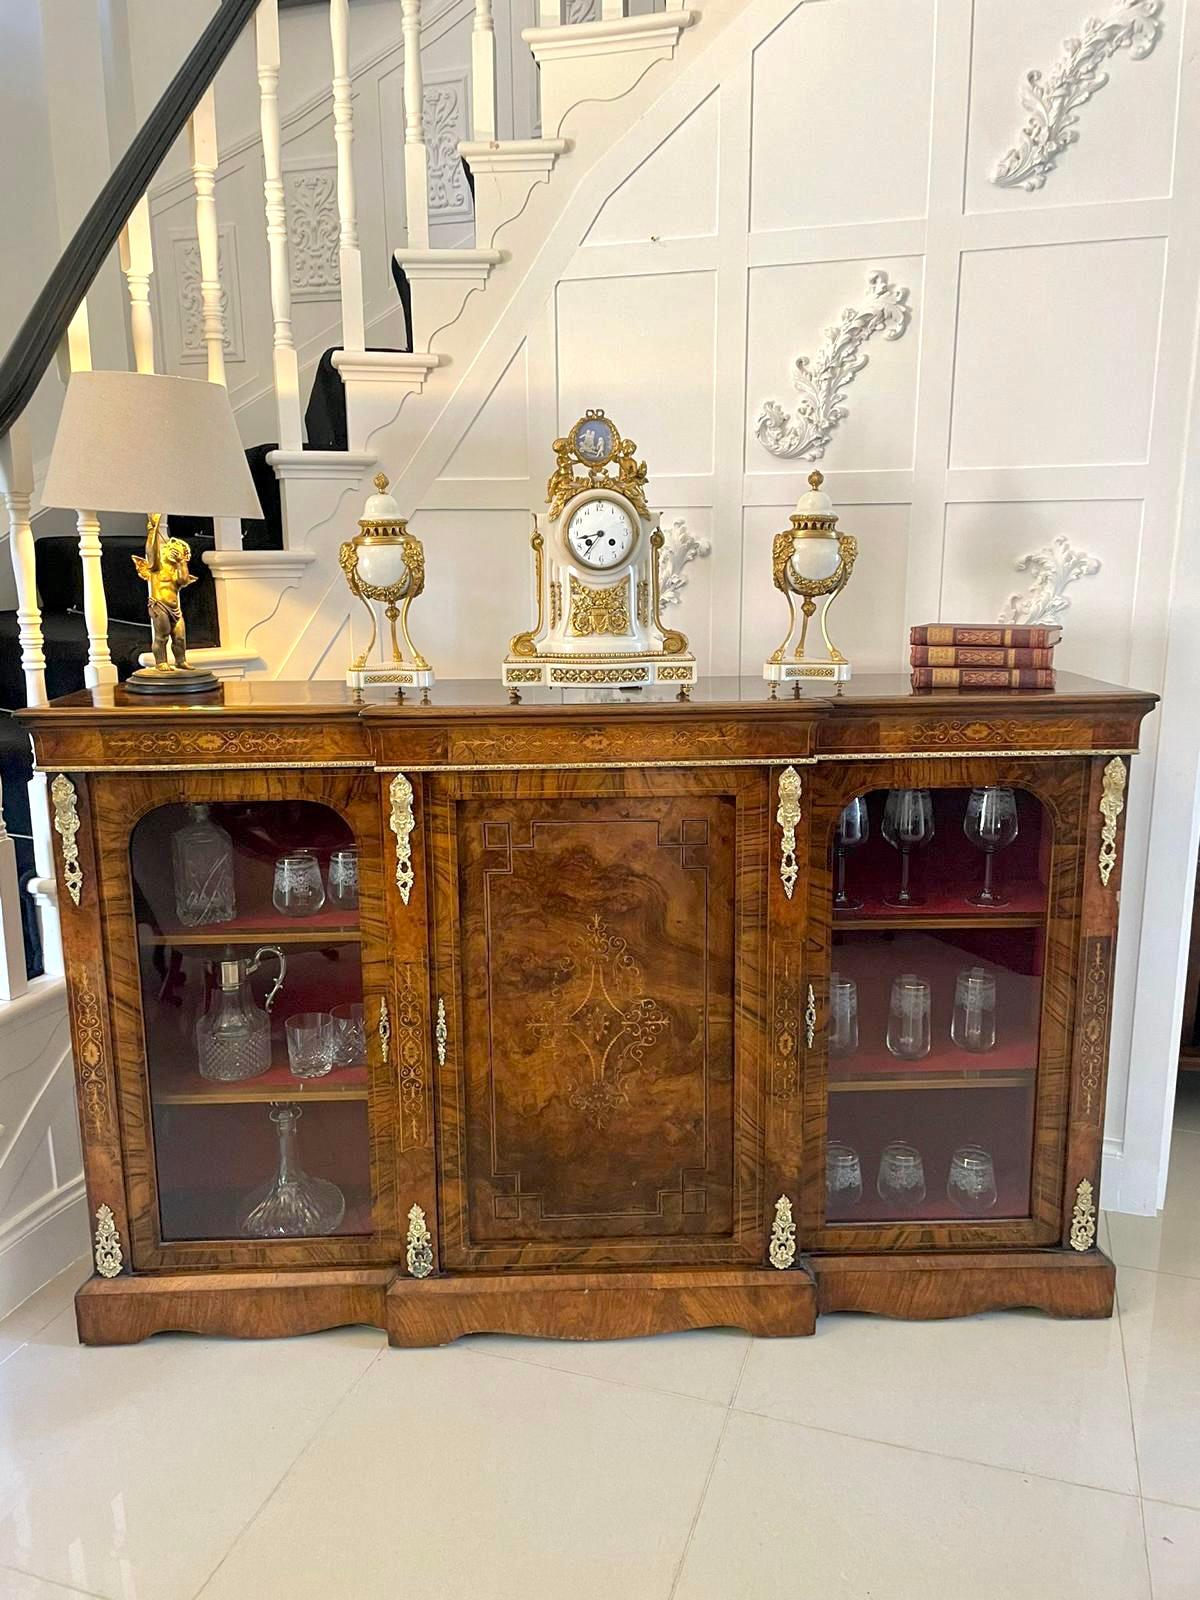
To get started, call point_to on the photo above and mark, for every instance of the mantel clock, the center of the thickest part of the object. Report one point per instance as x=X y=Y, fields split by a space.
x=813 y=560
x=384 y=566
x=596 y=575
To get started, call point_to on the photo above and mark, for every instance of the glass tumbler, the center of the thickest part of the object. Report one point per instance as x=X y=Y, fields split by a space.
x=908 y=1031
x=298 y=890
x=973 y=1026
x=349 y=1036
x=971 y=1185
x=901 y=1180
x=843 y=1176
x=310 y=1043
x=843 y=1015
x=343 y=878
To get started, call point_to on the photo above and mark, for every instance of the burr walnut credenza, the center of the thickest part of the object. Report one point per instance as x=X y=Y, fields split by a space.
x=602 y=1014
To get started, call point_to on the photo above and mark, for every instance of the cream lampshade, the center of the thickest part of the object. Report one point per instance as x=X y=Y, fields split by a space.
x=141 y=442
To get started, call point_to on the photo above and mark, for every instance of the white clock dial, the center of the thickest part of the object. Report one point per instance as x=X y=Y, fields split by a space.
x=601 y=533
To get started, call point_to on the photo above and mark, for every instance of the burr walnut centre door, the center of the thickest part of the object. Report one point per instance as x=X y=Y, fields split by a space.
x=598 y=954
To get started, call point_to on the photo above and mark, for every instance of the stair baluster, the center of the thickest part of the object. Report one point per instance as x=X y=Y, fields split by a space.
x=137 y=263
x=611 y=8
x=549 y=13
x=349 y=257
x=483 y=73
x=100 y=668
x=285 y=365
x=416 y=159
x=16 y=483
x=202 y=145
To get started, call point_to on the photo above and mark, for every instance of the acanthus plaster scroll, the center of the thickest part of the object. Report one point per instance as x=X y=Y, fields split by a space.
x=680 y=548
x=1054 y=567
x=822 y=382
x=1053 y=100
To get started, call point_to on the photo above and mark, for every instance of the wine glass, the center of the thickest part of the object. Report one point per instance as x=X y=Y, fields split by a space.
x=901 y=1181
x=907 y=825
x=853 y=829
x=990 y=824
x=843 y=1176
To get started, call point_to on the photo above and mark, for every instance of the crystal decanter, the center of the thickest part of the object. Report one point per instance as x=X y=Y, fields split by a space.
x=292 y=1205
x=202 y=867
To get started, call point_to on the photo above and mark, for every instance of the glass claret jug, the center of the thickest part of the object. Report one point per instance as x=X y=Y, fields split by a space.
x=233 y=1037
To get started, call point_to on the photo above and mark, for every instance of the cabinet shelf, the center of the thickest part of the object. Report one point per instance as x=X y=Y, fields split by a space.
x=323 y=928
x=940 y=1080
x=176 y=1088
x=1025 y=907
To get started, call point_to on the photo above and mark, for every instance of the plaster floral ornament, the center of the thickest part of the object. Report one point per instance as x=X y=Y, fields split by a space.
x=680 y=548
x=1052 y=101
x=1054 y=567
x=822 y=382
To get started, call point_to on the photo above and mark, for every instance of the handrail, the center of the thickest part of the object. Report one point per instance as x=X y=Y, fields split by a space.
x=40 y=335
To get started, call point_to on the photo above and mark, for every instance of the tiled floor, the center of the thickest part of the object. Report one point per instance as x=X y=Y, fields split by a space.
x=1006 y=1457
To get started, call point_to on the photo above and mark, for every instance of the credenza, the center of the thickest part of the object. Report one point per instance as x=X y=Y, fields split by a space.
x=647 y=1012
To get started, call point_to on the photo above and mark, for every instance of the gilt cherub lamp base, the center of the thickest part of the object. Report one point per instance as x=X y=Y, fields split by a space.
x=798 y=672
x=172 y=681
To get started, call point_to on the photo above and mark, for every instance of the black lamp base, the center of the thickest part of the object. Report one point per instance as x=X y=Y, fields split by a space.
x=172 y=681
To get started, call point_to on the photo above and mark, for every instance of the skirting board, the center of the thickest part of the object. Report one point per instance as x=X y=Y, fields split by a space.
x=41 y=1243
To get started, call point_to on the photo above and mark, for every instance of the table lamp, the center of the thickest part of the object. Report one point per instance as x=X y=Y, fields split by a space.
x=141 y=442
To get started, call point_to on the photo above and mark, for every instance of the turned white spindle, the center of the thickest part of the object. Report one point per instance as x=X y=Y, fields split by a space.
x=611 y=8
x=203 y=152
x=416 y=158
x=549 y=13
x=483 y=73
x=202 y=141
x=349 y=257
x=137 y=263
x=16 y=481
x=99 y=668
x=286 y=368
x=13 y=982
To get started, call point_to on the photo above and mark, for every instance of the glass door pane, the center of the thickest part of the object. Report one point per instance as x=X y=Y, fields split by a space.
x=934 y=1004
x=251 y=976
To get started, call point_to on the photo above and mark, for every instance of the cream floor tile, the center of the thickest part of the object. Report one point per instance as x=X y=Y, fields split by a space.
x=20 y=1586
x=447 y=1475
x=130 y=1471
x=1169 y=1242
x=1160 y=1319
x=1173 y=1544
x=791 y=1512
x=41 y=1308
x=704 y=1364
x=1011 y=1389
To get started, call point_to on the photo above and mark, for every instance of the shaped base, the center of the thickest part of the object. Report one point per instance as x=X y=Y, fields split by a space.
x=607 y=672
x=806 y=671
x=395 y=677
x=172 y=680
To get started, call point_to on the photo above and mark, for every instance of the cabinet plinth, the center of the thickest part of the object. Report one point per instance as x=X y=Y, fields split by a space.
x=582 y=1019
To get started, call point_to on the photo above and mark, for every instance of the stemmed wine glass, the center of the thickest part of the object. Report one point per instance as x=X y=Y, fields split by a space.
x=907 y=825
x=853 y=829
x=990 y=824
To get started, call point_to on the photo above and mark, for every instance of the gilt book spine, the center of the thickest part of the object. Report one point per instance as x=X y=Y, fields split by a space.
x=974 y=655
x=982 y=678
x=1041 y=637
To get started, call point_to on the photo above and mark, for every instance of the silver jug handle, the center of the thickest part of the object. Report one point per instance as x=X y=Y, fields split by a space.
x=270 y=950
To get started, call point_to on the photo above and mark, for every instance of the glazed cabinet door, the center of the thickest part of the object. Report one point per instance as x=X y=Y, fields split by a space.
x=943 y=922
x=598 y=949
x=244 y=937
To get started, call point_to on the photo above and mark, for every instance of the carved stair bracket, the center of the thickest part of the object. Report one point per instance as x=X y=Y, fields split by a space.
x=1053 y=99
x=1112 y=803
x=107 y=1248
x=401 y=823
x=822 y=382
x=783 y=1235
x=66 y=826
x=788 y=816
x=1083 y=1217
x=418 y=1255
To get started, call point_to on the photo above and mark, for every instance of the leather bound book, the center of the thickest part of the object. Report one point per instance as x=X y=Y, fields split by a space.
x=977 y=655
x=982 y=678
x=1040 y=637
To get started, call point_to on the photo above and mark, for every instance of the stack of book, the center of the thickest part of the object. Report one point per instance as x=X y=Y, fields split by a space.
x=970 y=655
